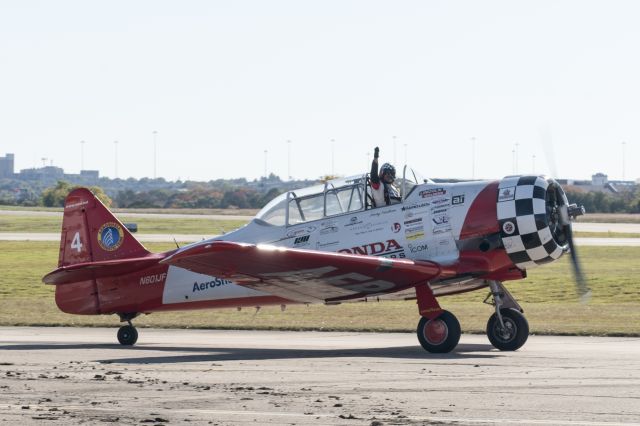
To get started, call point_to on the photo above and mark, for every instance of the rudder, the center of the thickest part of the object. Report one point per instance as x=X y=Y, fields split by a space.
x=91 y=233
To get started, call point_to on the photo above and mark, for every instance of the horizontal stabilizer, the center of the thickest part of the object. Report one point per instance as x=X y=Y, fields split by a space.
x=106 y=268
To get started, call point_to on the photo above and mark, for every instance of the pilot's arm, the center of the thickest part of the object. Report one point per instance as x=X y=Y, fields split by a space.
x=375 y=179
x=377 y=188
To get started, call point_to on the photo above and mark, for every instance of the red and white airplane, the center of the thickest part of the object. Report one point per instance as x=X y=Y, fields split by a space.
x=329 y=244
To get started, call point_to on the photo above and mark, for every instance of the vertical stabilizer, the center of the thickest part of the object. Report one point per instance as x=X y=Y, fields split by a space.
x=90 y=232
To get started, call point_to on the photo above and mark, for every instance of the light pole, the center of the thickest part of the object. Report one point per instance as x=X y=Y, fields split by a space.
x=533 y=164
x=82 y=155
x=155 y=154
x=333 y=151
x=405 y=154
x=394 y=150
x=289 y=159
x=265 y=164
x=624 y=146
x=473 y=157
x=115 y=149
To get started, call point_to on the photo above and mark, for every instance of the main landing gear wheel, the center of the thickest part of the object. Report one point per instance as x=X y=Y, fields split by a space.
x=127 y=335
x=439 y=335
x=513 y=335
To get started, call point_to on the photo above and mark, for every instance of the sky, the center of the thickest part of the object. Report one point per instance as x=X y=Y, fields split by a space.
x=545 y=86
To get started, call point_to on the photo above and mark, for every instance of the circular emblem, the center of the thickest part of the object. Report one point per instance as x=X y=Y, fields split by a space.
x=110 y=236
x=508 y=228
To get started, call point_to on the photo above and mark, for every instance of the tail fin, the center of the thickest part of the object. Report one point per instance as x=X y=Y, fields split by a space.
x=91 y=233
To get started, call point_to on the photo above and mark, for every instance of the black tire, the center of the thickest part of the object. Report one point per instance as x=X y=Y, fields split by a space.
x=439 y=335
x=516 y=330
x=127 y=335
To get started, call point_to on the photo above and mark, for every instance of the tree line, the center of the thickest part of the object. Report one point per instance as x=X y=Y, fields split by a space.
x=196 y=198
x=206 y=196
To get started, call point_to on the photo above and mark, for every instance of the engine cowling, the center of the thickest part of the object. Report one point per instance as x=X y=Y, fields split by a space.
x=529 y=213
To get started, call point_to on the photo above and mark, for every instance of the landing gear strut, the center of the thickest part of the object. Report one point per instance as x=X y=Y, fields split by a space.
x=507 y=328
x=438 y=330
x=127 y=334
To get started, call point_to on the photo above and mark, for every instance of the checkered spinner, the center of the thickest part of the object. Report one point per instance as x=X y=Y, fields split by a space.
x=524 y=224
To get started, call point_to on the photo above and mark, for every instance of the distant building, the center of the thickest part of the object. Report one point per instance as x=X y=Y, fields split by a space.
x=90 y=174
x=52 y=172
x=6 y=166
x=599 y=179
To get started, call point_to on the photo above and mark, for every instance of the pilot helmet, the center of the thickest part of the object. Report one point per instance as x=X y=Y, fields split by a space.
x=388 y=169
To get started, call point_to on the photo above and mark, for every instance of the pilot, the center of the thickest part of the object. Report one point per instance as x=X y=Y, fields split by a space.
x=383 y=190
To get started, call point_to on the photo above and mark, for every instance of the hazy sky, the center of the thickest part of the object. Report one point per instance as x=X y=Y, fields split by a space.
x=223 y=81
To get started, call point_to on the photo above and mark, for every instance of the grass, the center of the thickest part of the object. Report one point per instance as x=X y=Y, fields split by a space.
x=196 y=226
x=610 y=218
x=579 y=234
x=547 y=295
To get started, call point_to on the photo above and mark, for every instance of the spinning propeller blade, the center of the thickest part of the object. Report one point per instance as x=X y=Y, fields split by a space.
x=581 y=282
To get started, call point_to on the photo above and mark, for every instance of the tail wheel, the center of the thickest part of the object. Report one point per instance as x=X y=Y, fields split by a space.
x=439 y=335
x=127 y=335
x=513 y=335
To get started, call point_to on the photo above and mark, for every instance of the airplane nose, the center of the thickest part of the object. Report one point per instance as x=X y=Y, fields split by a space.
x=529 y=214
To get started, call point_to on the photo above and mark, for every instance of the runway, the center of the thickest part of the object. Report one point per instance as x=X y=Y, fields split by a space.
x=77 y=375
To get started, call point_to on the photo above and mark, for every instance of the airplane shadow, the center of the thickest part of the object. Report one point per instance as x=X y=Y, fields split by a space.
x=211 y=354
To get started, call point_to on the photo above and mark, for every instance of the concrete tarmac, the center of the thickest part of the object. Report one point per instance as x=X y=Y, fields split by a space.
x=79 y=375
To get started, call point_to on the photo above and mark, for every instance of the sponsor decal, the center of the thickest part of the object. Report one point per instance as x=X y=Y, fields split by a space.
x=353 y=221
x=457 y=199
x=396 y=227
x=442 y=219
x=417 y=248
x=415 y=206
x=412 y=221
x=301 y=241
x=508 y=227
x=329 y=230
x=417 y=235
x=434 y=192
x=78 y=204
x=374 y=249
x=439 y=210
x=324 y=246
x=507 y=194
x=328 y=227
x=300 y=231
x=439 y=202
x=216 y=282
x=110 y=236
x=441 y=223
x=153 y=279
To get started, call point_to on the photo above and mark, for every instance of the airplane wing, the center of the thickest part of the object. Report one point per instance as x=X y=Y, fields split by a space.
x=304 y=276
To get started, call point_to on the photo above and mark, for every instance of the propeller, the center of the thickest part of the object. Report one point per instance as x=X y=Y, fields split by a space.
x=565 y=212
x=582 y=287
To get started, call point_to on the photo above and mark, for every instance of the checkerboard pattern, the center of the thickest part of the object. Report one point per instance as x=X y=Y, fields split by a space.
x=524 y=225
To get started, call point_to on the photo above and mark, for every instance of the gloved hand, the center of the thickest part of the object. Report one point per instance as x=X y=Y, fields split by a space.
x=376 y=152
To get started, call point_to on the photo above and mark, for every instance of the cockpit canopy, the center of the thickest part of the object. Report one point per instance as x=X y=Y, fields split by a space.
x=335 y=197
